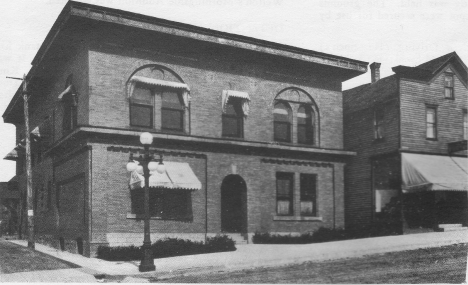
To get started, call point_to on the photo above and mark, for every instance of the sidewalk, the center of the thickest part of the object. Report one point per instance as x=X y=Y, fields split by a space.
x=49 y=276
x=255 y=255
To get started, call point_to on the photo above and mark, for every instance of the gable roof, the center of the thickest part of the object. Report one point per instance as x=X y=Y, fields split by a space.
x=426 y=71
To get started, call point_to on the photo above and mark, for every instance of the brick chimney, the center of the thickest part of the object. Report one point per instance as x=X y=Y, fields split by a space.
x=375 y=71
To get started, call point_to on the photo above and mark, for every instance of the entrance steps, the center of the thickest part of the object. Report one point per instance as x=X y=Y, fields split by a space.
x=237 y=238
x=450 y=228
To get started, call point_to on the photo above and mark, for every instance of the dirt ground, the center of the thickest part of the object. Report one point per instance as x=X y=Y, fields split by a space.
x=433 y=265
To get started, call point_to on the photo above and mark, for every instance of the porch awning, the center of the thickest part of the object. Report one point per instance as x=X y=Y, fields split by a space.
x=178 y=175
x=422 y=172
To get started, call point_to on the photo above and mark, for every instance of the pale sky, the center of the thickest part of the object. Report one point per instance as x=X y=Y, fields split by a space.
x=393 y=32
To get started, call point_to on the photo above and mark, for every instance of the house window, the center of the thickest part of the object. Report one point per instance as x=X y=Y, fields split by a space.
x=233 y=119
x=141 y=107
x=308 y=194
x=378 y=123
x=282 y=122
x=305 y=125
x=448 y=86
x=172 y=111
x=431 y=122
x=165 y=204
x=284 y=193
x=69 y=113
x=465 y=125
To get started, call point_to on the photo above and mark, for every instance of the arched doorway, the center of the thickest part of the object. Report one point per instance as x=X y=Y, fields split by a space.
x=233 y=204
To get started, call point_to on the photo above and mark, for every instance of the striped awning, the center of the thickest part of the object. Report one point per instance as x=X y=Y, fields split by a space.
x=422 y=172
x=238 y=94
x=158 y=82
x=178 y=175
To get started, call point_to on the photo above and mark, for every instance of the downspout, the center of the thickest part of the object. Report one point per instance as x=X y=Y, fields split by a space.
x=90 y=198
x=206 y=198
x=334 y=200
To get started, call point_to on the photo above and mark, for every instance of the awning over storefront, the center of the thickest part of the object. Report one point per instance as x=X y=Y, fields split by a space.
x=422 y=172
x=178 y=175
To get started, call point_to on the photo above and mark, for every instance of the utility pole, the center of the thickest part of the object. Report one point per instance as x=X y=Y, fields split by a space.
x=29 y=190
x=30 y=200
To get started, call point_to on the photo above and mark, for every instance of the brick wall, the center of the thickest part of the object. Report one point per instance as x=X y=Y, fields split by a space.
x=207 y=77
x=415 y=96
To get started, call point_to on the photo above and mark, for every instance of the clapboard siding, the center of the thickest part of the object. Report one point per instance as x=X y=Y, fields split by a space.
x=359 y=137
x=414 y=98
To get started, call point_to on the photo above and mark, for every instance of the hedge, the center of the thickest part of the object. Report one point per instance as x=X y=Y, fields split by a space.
x=326 y=235
x=168 y=247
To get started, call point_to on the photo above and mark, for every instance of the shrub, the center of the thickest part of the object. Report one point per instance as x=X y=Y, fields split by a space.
x=220 y=243
x=325 y=234
x=168 y=247
x=119 y=253
x=267 y=238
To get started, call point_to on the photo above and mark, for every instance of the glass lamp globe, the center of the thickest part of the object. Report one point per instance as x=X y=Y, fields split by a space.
x=139 y=169
x=146 y=138
x=131 y=166
x=161 y=168
x=152 y=166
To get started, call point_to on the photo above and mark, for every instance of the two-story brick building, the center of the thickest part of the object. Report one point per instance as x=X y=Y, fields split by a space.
x=251 y=131
x=405 y=128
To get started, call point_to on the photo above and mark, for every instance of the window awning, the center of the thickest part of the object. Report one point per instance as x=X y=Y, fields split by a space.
x=158 y=82
x=238 y=94
x=422 y=172
x=178 y=175
x=12 y=155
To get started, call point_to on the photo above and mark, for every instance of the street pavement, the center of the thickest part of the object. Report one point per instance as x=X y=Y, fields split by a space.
x=255 y=255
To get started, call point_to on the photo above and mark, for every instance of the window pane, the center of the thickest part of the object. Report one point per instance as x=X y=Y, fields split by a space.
x=449 y=80
x=304 y=116
x=430 y=133
x=448 y=92
x=305 y=134
x=231 y=126
x=142 y=95
x=171 y=100
x=281 y=113
x=141 y=115
x=307 y=208
x=172 y=119
x=430 y=115
x=282 y=131
x=283 y=207
x=284 y=195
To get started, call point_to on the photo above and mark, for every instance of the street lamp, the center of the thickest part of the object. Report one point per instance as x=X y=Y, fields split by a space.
x=146 y=164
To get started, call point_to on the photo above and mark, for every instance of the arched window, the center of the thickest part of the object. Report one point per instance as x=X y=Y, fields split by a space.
x=305 y=125
x=233 y=119
x=158 y=99
x=282 y=122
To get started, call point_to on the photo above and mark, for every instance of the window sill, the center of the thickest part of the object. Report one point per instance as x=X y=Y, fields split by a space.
x=431 y=139
x=297 y=218
x=379 y=140
x=140 y=217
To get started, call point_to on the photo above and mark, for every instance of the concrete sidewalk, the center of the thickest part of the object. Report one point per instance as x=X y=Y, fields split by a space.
x=49 y=276
x=255 y=255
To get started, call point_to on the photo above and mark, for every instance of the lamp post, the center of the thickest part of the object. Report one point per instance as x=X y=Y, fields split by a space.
x=146 y=165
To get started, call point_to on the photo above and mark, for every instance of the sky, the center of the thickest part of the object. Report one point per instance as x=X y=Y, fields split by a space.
x=392 y=32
